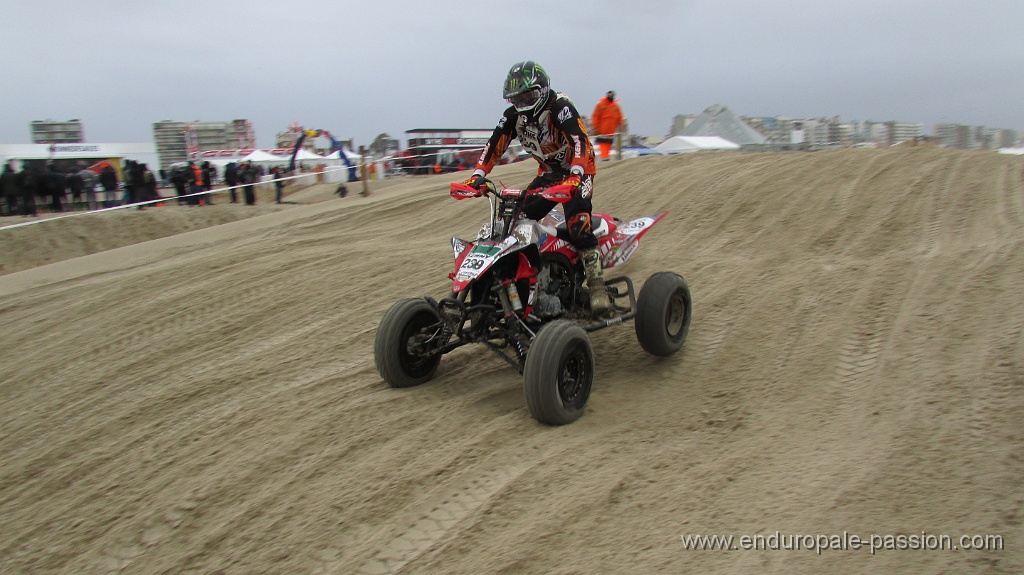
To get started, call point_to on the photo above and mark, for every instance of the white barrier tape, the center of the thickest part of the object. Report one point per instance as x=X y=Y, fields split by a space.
x=394 y=160
x=174 y=197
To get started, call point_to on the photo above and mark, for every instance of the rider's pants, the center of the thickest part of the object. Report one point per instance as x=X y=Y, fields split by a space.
x=577 y=210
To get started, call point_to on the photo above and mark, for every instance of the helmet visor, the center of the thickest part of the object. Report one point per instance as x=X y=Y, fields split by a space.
x=525 y=101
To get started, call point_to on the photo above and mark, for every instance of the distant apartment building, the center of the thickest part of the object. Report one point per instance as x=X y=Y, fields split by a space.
x=680 y=122
x=775 y=128
x=181 y=141
x=287 y=139
x=825 y=132
x=993 y=139
x=868 y=131
x=957 y=136
x=1005 y=138
x=54 y=132
x=877 y=132
x=964 y=137
x=384 y=145
x=903 y=131
x=236 y=134
x=169 y=137
x=783 y=133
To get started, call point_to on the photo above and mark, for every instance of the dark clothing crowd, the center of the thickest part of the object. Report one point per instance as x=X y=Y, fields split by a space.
x=38 y=186
x=24 y=192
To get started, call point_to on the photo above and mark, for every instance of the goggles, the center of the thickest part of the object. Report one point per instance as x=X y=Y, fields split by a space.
x=525 y=101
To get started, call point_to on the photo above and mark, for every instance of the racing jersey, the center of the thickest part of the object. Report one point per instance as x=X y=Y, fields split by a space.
x=557 y=138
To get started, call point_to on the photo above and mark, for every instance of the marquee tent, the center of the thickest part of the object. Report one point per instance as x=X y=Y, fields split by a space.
x=683 y=144
x=304 y=154
x=261 y=156
x=352 y=156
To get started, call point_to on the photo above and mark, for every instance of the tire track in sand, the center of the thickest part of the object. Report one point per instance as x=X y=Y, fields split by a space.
x=453 y=506
x=1010 y=212
x=934 y=222
x=860 y=352
x=1001 y=383
x=115 y=559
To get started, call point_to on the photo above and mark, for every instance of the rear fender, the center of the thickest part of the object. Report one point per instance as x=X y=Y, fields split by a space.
x=620 y=245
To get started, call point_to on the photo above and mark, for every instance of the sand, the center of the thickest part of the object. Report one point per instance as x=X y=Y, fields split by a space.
x=207 y=402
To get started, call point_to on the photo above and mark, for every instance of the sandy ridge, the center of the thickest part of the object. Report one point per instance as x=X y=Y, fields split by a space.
x=207 y=402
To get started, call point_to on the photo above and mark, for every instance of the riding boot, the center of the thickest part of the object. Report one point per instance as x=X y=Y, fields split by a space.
x=599 y=302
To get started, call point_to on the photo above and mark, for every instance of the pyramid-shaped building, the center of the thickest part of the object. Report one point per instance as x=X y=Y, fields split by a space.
x=720 y=121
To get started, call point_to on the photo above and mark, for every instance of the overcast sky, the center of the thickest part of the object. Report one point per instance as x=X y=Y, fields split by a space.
x=362 y=68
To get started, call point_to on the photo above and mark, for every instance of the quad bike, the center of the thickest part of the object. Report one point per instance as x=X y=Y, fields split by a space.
x=518 y=289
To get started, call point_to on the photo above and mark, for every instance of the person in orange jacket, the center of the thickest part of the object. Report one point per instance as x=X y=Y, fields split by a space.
x=605 y=120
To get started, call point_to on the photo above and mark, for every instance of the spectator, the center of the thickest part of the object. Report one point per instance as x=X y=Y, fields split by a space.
x=248 y=178
x=10 y=189
x=209 y=172
x=606 y=120
x=76 y=185
x=178 y=180
x=108 y=180
x=278 y=182
x=31 y=183
x=57 y=188
x=89 y=187
x=140 y=184
x=128 y=179
x=149 y=185
x=195 y=183
x=231 y=179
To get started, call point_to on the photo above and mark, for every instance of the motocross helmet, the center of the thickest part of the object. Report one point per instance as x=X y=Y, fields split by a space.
x=527 y=86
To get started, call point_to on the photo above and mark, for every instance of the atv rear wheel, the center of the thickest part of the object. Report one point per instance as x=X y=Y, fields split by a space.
x=559 y=373
x=397 y=365
x=663 y=311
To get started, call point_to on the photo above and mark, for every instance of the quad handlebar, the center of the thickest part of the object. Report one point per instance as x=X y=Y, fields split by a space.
x=560 y=193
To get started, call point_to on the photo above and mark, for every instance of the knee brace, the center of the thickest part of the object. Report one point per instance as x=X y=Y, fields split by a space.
x=580 y=232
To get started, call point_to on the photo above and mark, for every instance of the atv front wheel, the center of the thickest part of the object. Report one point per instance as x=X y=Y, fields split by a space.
x=663 y=311
x=559 y=373
x=396 y=362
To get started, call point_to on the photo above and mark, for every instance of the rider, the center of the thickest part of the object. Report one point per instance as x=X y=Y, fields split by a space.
x=548 y=126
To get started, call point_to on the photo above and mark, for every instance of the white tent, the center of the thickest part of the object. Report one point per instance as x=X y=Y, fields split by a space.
x=352 y=156
x=304 y=154
x=683 y=144
x=261 y=156
x=336 y=169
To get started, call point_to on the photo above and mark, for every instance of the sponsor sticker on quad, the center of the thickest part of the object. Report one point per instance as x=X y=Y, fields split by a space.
x=624 y=253
x=485 y=250
x=636 y=226
x=472 y=265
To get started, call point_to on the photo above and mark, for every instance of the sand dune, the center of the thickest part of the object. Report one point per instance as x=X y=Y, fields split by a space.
x=207 y=402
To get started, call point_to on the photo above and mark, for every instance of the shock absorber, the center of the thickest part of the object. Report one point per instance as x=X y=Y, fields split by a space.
x=508 y=295
x=513 y=296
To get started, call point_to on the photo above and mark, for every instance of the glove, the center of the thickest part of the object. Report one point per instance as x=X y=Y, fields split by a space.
x=575 y=178
x=476 y=181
